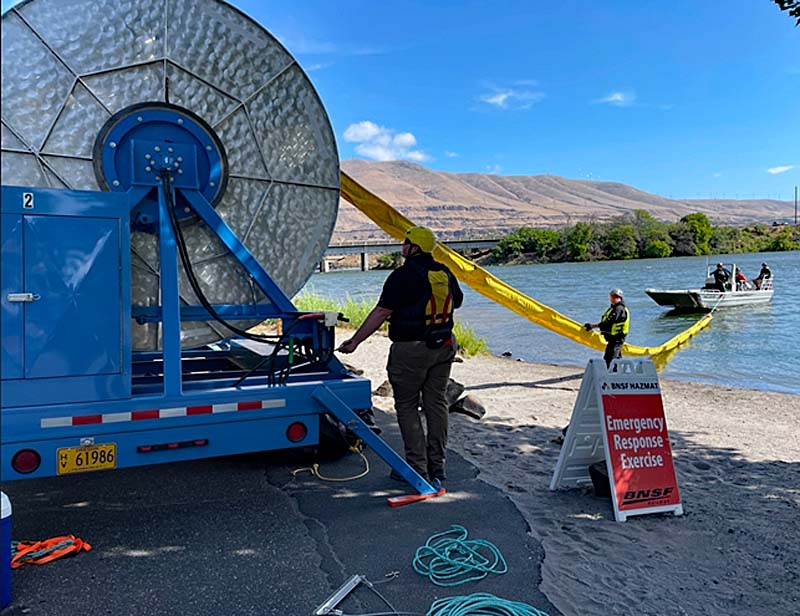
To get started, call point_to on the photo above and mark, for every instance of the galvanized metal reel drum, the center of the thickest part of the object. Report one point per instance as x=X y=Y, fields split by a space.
x=79 y=74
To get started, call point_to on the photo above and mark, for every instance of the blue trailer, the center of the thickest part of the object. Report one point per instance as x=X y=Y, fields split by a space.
x=77 y=397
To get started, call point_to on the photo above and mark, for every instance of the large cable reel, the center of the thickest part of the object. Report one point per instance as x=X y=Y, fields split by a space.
x=80 y=77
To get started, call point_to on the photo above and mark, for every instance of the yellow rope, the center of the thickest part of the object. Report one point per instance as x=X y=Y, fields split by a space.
x=314 y=468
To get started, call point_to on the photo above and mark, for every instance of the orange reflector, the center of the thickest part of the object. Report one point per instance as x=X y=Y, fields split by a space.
x=407 y=499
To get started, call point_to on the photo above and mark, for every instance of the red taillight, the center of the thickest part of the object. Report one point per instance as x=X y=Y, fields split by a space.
x=26 y=461
x=296 y=432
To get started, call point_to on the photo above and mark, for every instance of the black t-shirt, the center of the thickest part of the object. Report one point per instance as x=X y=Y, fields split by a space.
x=405 y=286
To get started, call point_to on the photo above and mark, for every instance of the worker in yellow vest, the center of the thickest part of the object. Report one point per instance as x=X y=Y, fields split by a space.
x=613 y=326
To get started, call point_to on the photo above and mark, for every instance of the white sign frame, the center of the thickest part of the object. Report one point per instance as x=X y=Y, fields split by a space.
x=584 y=442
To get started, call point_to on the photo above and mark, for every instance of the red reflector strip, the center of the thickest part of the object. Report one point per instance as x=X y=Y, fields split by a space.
x=144 y=415
x=163 y=446
x=82 y=420
x=170 y=413
x=199 y=410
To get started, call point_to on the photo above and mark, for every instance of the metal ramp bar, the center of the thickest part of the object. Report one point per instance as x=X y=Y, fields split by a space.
x=325 y=396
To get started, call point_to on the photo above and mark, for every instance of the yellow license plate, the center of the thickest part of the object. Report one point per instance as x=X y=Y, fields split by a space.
x=87 y=458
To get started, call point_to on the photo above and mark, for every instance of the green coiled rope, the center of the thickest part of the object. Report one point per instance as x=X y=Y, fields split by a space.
x=449 y=559
x=481 y=604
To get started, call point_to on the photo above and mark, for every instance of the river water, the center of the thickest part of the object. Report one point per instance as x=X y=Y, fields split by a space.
x=757 y=348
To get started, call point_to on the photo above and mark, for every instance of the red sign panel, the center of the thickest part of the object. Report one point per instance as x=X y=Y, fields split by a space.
x=637 y=444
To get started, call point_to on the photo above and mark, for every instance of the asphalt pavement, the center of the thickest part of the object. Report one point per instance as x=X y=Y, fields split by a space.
x=242 y=535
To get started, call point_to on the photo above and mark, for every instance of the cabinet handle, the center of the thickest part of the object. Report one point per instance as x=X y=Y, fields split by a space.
x=23 y=297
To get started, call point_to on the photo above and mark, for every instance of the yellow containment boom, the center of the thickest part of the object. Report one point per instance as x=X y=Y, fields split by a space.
x=396 y=225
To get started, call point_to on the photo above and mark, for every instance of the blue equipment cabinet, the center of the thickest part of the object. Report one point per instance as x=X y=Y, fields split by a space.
x=65 y=296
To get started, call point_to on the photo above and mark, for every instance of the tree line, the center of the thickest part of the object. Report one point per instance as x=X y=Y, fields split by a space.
x=639 y=235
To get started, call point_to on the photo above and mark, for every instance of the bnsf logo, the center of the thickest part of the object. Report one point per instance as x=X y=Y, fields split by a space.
x=639 y=496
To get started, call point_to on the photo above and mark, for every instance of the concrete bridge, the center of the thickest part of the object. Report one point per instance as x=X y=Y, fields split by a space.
x=389 y=247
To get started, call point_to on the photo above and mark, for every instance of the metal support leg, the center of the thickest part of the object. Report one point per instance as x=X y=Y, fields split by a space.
x=345 y=414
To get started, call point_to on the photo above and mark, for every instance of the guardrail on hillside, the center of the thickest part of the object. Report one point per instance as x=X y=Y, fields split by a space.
x=367 y=248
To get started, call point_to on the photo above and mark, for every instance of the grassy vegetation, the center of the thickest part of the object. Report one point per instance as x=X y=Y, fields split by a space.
x=357 y=311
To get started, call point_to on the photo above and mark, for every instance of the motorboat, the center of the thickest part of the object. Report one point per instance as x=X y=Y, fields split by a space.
x=739 y=292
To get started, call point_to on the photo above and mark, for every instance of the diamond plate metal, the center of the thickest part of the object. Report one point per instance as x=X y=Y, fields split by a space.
x=241 y=202
x=121 y=88
x=188 y=91
x=35 y=83
x=294 y=132
x=92 y=35
x=21 y=170
x=244 y=156
x=90 y=58
x=9 y=141
x=302 y=216
x=77 y=174
x=77 y=126
x=222 y=46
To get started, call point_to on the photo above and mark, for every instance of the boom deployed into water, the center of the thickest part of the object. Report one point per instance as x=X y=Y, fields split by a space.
x=485 y=283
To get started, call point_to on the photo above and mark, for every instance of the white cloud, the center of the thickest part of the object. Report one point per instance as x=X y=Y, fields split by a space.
x=513 y=98
x=405 y=140
x=717 y=175
x=384 y=144
x=618 y=99
x=781 y=169
x=318 y=66
x=448 y=154
x=300 y=43
x=494 y=168
x=363 y=131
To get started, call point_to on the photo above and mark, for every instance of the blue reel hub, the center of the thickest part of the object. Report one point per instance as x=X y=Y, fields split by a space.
x=141 y=142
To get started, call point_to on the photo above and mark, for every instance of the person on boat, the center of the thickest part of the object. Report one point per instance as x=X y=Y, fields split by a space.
x=418 y=299
x=741 y=280
x=763 y=275
x=614 y=325
x=721 y=278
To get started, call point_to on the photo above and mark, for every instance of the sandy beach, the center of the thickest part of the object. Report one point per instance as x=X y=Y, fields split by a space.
x=737 y=458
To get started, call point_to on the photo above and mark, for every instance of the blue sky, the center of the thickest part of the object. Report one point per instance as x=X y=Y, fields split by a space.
x=687 y=98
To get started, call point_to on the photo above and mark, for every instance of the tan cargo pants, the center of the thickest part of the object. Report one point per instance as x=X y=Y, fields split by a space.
x=419 y=378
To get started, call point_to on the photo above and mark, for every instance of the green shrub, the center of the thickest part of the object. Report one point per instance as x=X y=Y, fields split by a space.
x=656 y=249
x=389 y=261
x=353 y=309
x=468 y=343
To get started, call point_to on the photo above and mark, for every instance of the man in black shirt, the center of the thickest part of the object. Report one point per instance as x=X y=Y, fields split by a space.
x=418 y=299
x=614 y=326
x=721 y=277
x=764 y=274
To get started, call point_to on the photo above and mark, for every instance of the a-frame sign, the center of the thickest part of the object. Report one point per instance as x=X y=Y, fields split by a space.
x=619 y=417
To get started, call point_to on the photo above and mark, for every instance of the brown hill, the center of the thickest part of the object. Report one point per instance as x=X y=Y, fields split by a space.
x=475 y=204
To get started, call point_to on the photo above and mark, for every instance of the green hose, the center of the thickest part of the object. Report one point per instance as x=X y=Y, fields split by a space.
x=449 y=559
x=481 y=604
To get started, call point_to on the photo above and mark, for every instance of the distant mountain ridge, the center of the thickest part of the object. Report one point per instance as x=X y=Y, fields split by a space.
x=476 y=204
